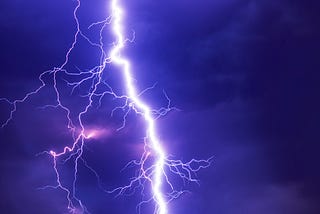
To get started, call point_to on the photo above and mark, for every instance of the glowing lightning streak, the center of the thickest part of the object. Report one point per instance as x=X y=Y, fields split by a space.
x=154 y=173
x=138 y=105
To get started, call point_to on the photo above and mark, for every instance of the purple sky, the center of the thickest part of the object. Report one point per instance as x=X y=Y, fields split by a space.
x=245 y=75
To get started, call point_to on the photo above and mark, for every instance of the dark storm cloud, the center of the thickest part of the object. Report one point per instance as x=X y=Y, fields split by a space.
x=250 y=173
x=217 y=53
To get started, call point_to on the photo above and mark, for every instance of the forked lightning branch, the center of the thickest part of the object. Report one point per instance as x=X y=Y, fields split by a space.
x=154 y=169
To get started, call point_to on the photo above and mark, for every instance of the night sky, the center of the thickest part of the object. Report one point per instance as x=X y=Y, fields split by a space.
x=244 y=74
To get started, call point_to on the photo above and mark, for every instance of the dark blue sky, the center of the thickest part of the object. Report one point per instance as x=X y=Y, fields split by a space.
x=244 y=73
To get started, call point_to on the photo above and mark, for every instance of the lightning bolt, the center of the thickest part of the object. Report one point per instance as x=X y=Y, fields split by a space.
x=140 y=107
x=155 y=168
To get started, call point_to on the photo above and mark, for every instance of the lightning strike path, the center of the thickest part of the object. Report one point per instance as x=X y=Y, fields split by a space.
x=154 y=169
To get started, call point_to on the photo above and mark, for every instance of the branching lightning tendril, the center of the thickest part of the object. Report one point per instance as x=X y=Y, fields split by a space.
x=155 y=167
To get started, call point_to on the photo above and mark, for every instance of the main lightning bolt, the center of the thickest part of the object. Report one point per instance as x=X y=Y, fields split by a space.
x=154 y=169
x=141 y=107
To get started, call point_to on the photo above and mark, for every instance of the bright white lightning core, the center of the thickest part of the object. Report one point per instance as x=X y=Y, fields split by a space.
x=154 y=169
x=139 y=106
